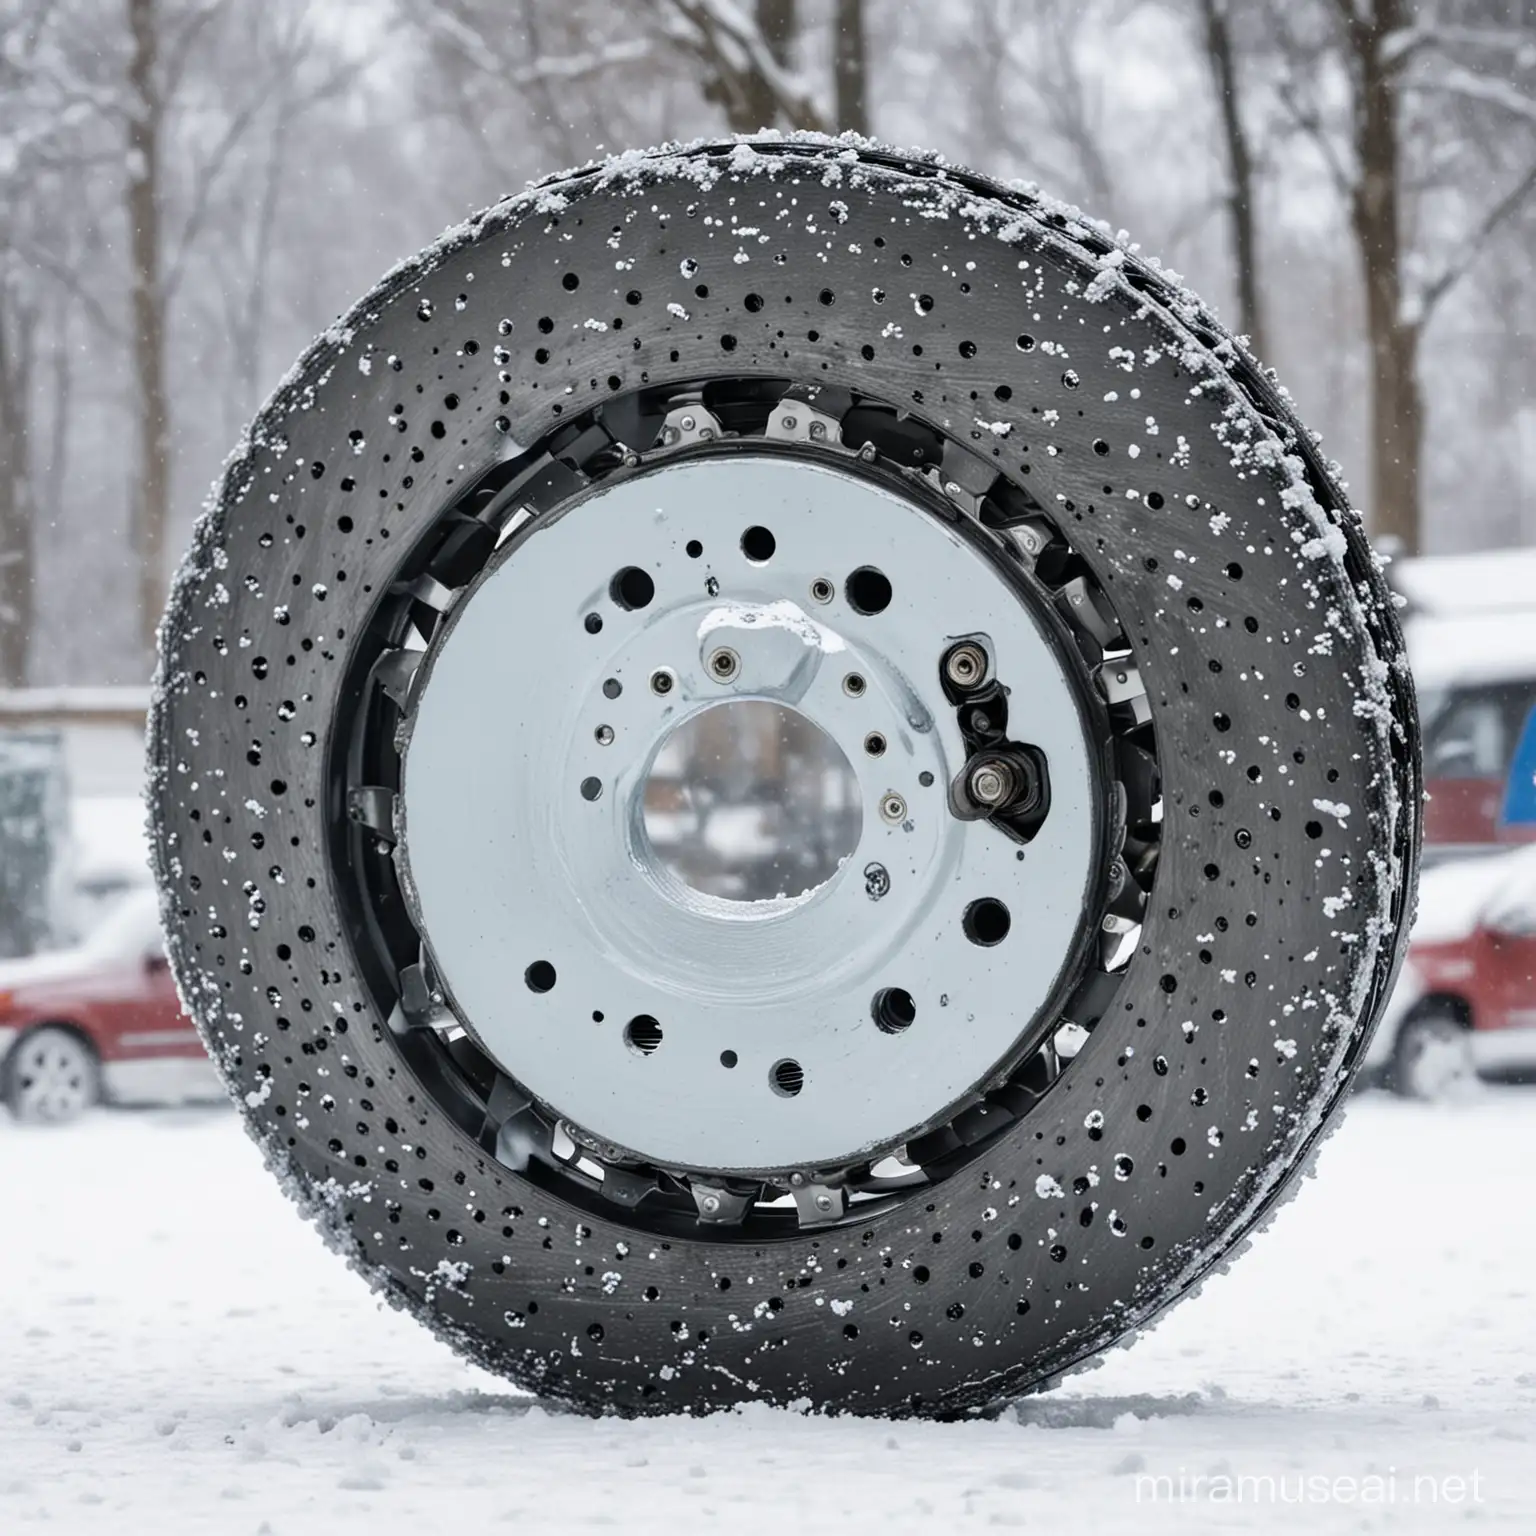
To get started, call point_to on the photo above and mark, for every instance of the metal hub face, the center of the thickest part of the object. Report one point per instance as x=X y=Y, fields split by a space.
x=627 y=939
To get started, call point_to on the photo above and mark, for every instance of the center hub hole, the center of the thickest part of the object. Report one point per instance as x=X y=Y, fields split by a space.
x=752 y=801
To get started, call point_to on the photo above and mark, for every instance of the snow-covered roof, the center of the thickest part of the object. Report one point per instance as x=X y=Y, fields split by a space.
x=1482 y=648
x=1454 y=897
x=109 y=844
x=1492 y=581
x=108 y=704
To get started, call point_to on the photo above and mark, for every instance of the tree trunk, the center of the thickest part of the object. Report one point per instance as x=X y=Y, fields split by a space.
x=152 y=489
x=850 y=67
x=16 y=499
x=1221 y=58
x=1397 y=411
x=755 y=106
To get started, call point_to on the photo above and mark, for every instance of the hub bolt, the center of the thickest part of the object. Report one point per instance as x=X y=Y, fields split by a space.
x=724 y=664
x=966 y=666
x=893 y=807
x=990 y=783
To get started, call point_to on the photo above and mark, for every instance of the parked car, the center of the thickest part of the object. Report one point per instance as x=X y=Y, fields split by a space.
x=1465 y=1004
x=1471 y=626
x=100 y=1021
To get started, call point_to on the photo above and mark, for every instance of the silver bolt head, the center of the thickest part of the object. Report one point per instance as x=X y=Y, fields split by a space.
x=893 y=808
x=966 y=665
x=989 y=784
x=711 y=1203
x=687 y=423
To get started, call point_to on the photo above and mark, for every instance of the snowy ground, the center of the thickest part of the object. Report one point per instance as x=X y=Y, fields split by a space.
x=178 y=1353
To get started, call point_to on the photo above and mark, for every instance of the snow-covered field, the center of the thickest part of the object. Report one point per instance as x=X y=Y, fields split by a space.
x=180 y=1354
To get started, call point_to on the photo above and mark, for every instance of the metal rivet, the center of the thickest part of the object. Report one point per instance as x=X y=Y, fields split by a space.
x=893 y=807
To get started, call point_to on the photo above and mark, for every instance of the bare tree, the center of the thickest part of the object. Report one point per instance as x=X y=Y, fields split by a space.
x=1221 y=56
x=850 y=67
x=745 y=60
x=1030 y=97
x=144 y=116
x=1417 y=81
x=47 y=104
x=18 y=326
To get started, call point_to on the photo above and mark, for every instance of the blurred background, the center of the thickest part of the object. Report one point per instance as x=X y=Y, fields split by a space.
x=191 y=189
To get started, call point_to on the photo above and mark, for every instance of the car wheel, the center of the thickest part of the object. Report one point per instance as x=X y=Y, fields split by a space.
x=1433 y=1057
x=780 y=774
x=50 y=1076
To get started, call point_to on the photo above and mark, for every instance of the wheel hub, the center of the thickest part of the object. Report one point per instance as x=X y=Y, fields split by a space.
x=677 y=821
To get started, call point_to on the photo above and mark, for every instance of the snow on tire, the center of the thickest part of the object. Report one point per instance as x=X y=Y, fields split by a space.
x=781 y=774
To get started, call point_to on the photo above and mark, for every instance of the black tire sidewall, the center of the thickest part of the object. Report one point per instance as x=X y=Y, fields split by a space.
x=981 y=1285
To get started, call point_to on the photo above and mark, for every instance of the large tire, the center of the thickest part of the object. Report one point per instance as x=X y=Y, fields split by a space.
x=1115 y=468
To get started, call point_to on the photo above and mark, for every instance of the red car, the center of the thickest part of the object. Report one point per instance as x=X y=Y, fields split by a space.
x=1476 y=680
x=99 y=1021
x=1465 y=1003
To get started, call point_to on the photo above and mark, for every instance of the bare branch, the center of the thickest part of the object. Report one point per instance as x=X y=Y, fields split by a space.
x=1457 y=266
x=733 y=47
x=1487 y=89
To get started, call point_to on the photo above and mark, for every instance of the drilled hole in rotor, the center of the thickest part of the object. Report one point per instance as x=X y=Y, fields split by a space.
x=874 y=744
x=540 y=976
x=893 y=1010
x=728 y=1058
x=822 y=590
x=758 y=544
x=593 y=623
x=693 y=549
x=786 y=1078
x=591 y=788
x=632 y=588
x=642 y=1034
x=868 y=591
x=986 y=922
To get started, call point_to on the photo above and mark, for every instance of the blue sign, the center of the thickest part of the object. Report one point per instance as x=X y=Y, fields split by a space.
x=1520 y=788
